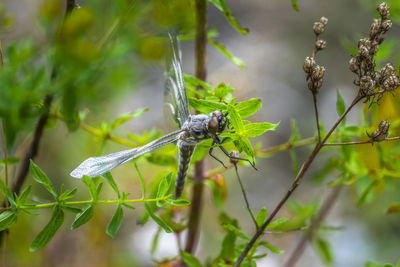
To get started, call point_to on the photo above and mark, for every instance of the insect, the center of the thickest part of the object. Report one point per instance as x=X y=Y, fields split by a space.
x=192 y=129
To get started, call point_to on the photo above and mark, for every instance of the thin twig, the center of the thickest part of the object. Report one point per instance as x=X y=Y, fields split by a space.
x=295 y=184
x=316 y=116
x=245 y=198
x=323 y=212
x=370 y=141
x=199 y=176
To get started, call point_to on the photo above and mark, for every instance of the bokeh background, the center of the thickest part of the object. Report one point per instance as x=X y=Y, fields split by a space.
x=273 y=53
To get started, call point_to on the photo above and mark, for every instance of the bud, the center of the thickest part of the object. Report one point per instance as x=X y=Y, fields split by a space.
x=318 y=73
x=308 y=65
x=320 y=44
x=386 y=25
x=390 y=83
x=364 y=42
x=383 y=10
x=375 y=27
x=323 y=20
x=364 y=51
x=353 y=66
x=318 y=28
x=387 y=70
x=367 y=85
x=233 y=157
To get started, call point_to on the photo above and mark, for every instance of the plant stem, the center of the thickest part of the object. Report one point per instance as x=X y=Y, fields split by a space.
x=323 y=212
x=370 y=141
x=245 y=198
x=296 y=183
x=199 y=176
x=85 y=202
x=316 y=116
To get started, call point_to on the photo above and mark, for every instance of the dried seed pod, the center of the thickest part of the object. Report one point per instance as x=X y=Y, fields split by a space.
x=233 y=157
x=387 y=70
x=318 y=28
x=353 y=65
x=375 y=28
x=311 y=86
x=381 y=133
x=390 y=83
x=383 y=10
x=320 y=44
x=318 y=84
x=323 y=20
x=308 y=64
x=363 y=51
x=364 y=42
x=318 y=73
x=367 y=85
x=386 y=25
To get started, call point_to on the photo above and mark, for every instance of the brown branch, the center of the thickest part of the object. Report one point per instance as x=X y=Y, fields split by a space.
x=199 y=176
x=316 y=116
x=295 y=184
x=370 y=141
x=323 y=212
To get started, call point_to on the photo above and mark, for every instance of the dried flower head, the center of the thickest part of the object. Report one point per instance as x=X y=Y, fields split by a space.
x=318 y=73
x=318 y=28
x=320 y=44
x=381 y=133
x=383 y=10
x=323 y=20
x=390 y=83
x=353 y=65
x=234 y=155
x=375 y=28
x=308 y=65
x=387 y=70
x=367 y=85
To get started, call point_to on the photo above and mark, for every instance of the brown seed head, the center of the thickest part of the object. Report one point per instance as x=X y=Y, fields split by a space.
x=320 y=44
x=323 y=20
x=386 y=25
x=318 y=73
x=383 y=10
x=391 y=83
x=375 y=28
x=387 y=70
x=353 y=66
x=308 y=65
x=233 y=157
x=367 y=85
x=318 y=28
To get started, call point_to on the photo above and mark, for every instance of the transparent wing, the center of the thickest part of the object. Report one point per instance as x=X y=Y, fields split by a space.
x=96 y=166
x=176 y=103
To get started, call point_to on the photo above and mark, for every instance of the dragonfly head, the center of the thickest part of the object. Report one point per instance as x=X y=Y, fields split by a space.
x=217 y=122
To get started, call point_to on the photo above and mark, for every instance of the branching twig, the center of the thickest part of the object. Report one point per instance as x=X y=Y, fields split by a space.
x=370 y=141
x=199 y=176
x=296 y=182
x=323 y=212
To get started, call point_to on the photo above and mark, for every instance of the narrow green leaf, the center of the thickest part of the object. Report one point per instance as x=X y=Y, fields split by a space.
x=277 y=223
x=237 y=232
x=243 y=144
x=190 y=260
x=91 y=186
x=257 y=129
x=10 y=160
x=178 y=202
x=7 y=219
x=261 y=216
x=228 y=246
x=128 y=116
x=295 y=6
x=24 y=195
x=223 y=7
x=49 y=230
x=393 y=208
x=83 y=217
x=164 y=186
x=156 y=238
x=128 y=206
x=295 y=136
x=340 y=106
x=295 y=162
x=248 y=107
x=72 y=209
x=324 y=250
x=115 y=223
x=236 y=120
x=6 y=191
x=270 y=247
x=158 y=220
x=42 y=178
x=206 y=106
x=227 y=53
x=112 y=183
x=141 y=181
x=67 y=194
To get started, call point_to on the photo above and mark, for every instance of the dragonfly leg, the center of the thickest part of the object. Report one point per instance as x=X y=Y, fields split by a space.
x=229 y=156
x=210 y=153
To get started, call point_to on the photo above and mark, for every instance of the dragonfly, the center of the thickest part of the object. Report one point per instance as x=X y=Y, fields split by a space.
x=191 y=129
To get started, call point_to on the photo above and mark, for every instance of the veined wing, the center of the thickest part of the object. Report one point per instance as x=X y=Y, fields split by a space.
x=175 y=94
x=96 y=166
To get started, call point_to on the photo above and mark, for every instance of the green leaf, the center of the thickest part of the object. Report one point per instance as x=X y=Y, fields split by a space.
x=324 y=250
x=257 y=129
x=91 y=186
x=128 y=206
x=261 y=216
x=193 y=81
x=128 y=116
x=393 y=208
x=115 y=223
x=24 y=194
x=10 y=160
x=7 y=219
x=83 y=217
x=141 y=181
x=190 y=260
x=295 y=162
x=223 y=7
x=111 y=181
x=236 y=120
x=6 y=191
x=205 y=106
x=248 y=107
x=42 y=178
x=277 y=223
x=67 y=194
x=295 y=136
x=228 y=246
x=164 y=186
x=340 y=106
x=178 y=202
x=158 y=220
x=49 y=230
x=227 y=53
x=295 y=6
x=270 y=247
x=375 y=264
x=243 y=144
x=234 y=229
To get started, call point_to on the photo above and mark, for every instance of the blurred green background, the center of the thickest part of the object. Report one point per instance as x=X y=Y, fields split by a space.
x=108 y=59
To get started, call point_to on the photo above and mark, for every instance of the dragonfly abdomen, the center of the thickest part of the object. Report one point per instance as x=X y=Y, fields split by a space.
x=185 y=154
